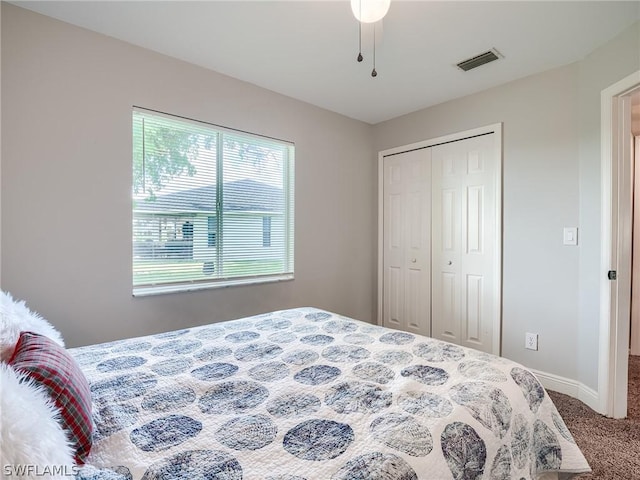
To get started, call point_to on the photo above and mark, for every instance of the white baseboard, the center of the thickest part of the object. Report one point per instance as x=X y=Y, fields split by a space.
x=569 y=387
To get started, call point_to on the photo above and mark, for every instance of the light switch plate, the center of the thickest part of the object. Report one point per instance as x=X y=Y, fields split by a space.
x=570 y=236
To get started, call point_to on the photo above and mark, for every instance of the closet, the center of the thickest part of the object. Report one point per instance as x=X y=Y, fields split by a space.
x=440 y=238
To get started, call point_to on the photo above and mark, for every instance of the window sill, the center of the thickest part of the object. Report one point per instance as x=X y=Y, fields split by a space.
x=146 y=291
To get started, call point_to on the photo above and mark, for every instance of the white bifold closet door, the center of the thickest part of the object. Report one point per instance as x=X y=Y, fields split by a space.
x=407 y=242
x=439 y=250
x=463 y=276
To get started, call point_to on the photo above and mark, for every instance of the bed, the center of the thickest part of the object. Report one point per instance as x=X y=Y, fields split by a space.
x=299 y=394
x=305 y=394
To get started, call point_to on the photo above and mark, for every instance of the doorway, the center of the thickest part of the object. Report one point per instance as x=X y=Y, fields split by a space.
x=439 y=241
x=616 y=250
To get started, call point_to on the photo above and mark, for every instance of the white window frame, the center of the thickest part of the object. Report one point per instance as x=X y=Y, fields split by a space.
x=288 y=218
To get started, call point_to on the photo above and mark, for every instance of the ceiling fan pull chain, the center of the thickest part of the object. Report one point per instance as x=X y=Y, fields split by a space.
x=373 y=72
x=359 y=42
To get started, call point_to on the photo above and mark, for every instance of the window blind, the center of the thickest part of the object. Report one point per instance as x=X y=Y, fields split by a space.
x=211 y=206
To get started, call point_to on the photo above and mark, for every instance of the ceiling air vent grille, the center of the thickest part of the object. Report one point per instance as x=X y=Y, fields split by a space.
x=478 y=60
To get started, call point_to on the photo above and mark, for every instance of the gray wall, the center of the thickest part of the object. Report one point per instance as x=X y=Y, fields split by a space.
x=551 y=176
x=66 y=178
x=66 y=184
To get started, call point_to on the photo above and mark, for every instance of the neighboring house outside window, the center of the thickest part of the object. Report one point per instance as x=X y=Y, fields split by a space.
x=211 y=207
x=266 y=231
x=212 y=231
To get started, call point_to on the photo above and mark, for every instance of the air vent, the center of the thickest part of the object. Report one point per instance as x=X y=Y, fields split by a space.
x=478 y=60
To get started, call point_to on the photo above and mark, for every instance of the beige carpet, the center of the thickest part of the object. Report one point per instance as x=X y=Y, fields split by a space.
x=612 y=447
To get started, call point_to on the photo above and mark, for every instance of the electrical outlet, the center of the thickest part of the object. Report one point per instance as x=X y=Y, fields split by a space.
x=531 y=341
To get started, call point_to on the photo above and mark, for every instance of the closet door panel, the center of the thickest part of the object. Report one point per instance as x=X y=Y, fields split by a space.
x=463 y=186
x=406 y=242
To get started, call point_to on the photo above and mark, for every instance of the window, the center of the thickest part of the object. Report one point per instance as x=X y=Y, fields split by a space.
x=211 y=206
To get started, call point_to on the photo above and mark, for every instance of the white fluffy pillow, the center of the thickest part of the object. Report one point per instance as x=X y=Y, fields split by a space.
x=15 y=317
x=30 y=433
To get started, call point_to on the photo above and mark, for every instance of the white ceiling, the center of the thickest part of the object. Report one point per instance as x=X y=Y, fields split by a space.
x=307 y=49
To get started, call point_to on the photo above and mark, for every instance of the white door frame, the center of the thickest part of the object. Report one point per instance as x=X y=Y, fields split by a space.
x=496 y=129
x=616 y=246
x=635 y=322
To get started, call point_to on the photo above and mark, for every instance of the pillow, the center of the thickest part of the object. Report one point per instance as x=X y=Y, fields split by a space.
x=15 y=317
x=51 y=366
x=30 y=430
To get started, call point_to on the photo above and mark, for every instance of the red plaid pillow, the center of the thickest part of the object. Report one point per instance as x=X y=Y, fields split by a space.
x=48 y=364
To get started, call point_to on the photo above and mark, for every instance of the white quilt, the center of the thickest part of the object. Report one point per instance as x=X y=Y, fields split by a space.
x=305 y=394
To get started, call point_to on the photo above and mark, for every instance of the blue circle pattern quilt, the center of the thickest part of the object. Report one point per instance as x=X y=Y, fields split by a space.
x=305 y=394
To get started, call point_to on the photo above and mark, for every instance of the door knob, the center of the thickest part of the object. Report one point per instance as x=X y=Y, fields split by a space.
x=449 y=262
x=413 y=260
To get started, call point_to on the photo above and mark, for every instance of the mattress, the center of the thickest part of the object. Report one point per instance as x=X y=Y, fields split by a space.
x=305 y=394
